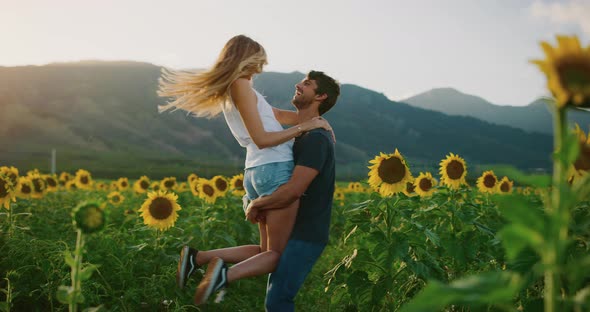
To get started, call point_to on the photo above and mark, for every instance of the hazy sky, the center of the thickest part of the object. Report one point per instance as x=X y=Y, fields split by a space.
x=399 y=48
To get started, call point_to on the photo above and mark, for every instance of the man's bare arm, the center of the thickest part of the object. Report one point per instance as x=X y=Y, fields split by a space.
x=286 y=194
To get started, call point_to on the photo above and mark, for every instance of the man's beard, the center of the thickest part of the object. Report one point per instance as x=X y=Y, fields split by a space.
x=301 y=103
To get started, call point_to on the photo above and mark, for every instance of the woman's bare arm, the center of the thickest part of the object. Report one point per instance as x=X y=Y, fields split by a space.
x=285 y=117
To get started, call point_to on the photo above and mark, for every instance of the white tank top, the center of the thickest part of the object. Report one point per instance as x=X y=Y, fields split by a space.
x=254 y=155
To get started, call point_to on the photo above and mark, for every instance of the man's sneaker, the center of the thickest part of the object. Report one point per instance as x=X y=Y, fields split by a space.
x=214 y=279
x=187 y=265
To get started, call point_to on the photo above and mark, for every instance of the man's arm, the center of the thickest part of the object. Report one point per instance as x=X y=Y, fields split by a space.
x=285 y=195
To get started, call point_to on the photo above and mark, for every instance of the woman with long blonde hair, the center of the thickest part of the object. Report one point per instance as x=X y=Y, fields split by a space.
x=227 y=88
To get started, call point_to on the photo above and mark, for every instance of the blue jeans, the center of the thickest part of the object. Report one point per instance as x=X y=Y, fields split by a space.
x=295 y=264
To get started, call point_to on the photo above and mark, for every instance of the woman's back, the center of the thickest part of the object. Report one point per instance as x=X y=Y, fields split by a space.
x=254 y=155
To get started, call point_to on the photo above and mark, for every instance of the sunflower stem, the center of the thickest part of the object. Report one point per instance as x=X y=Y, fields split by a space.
x=558 y=228
x=76 y=282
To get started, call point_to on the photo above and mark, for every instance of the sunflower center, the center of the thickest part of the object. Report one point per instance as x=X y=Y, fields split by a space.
x=3 y=188
x=51 y=182
x=583 y=161
x=239 y=184
x=455 y=169
x=116 y=198
x=208 y=190
x=93 y=217
x=37 y=185
x=124 y=184
x=425 y=184
x=144 y=184
x=169 y=184
x=574 y=74
x=221 y=184
x=25 y=189
x=504 y=187
x=392 y=170
x=489 y=181
x=160 y=208
x=12 y=176
x=84 y=179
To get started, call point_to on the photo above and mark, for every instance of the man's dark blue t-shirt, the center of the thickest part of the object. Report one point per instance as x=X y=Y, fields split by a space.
x=315 y=149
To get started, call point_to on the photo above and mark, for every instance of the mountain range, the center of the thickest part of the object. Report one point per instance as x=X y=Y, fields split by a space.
x=102 y=116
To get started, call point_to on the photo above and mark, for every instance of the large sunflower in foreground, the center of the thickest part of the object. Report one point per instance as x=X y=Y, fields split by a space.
x=389 y=173
x=83 y=180
x=453 y=171
x=89 y=217
x=424 y=184
x=488 y=182
x=7 y=193
x=505 y=186
x=567 y=68
x=207 y=191
x=221 y=185
x=160 y=210
x=122 y=184
x=142 y=185
x=24 y=187
x=237 y=185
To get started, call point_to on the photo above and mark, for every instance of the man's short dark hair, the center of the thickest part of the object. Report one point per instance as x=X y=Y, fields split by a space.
x=326 y=85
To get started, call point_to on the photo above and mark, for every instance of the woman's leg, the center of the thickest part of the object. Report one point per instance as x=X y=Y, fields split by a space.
x=279 y=223
x=235 y=254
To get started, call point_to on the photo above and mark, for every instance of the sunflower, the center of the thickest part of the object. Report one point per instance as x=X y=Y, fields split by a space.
x=410 y=189
x=194 y=187
x=142 y=185
x=39 y=185
x=181 y=187
x=355 y=187
x=115 y=198
x=191 y=178
x=89 y=217
x=113 y=186
x=488 y=183
x=237 y=185
x=122 y=184
x=160 y=210
x=221 y=185
x=505 y=186
x=155 y=186
x=83 y=180
x=11 y=173
x=389 y=173
x=339 y=196
x=101 y=186
x=567 y=67
x=453 y=171
x=168 y=184
x=51 y=182
x=64 y=177
x=24 y=187
x=207 y=191
x=7 y=193
x=425 y=184
x=71 y=185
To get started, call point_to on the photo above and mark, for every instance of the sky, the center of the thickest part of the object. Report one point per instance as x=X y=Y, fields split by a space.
x=398 y=48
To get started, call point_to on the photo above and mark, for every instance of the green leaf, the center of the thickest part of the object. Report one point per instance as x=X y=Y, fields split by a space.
x=360 y=287
x=519 y=211
x=69 y=258
x=4 y=307
x=481 y=289
x=64 y=294
x=516 y=237
x=93 y=309
x=432 y=237
x=86 y=272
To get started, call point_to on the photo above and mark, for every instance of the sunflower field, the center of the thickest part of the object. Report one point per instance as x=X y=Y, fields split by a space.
x=452 y=240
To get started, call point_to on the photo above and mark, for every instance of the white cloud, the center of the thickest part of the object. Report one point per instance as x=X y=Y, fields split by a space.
x=572 y=12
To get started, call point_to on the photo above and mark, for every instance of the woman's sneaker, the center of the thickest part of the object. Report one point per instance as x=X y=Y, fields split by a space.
x=187 y=265
x=215 y=279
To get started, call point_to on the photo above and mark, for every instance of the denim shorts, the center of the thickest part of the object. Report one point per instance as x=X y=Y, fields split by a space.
x=265 y=179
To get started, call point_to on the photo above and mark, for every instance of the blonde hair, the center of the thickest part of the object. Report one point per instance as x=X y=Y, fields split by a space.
x=204 y=93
